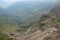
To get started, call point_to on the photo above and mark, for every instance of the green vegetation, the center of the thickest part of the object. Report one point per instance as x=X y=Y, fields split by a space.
x=53 y=20
x=4 y=36
x=7 y=23
x=24 y=17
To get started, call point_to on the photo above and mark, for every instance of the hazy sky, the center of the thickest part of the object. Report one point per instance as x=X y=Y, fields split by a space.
x=6 y=3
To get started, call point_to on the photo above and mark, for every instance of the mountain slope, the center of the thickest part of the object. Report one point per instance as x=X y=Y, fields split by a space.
x=52 y=19
x=7 y=22
x=20 y=16
x=27 y=18
x=4 y=36
x=47 y=28
x=23 y=10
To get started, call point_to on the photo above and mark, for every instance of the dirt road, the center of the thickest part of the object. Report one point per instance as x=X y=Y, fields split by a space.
x=38 y=35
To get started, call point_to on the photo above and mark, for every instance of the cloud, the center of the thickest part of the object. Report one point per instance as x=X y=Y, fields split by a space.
x=6 y=3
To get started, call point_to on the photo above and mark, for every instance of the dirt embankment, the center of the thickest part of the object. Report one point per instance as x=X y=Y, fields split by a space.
x=38 y=35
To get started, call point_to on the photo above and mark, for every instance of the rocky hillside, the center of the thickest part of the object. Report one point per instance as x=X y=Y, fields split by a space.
x=4 y=36
x=52 y=19
x=47 y=28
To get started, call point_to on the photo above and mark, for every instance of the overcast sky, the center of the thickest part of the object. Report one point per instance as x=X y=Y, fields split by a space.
x=6 y=3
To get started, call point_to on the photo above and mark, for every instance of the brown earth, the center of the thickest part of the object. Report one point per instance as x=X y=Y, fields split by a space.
x=38 y=35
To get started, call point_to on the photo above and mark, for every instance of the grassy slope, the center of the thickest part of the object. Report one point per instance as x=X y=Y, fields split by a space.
x=7 y=23
x=4 y=36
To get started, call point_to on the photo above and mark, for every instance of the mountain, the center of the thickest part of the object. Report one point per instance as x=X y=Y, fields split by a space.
x=55 y=12
x=28 y=17
x=52 y=19
x=7 y=22
x=47 y=28
x=20 y=16
x=25 y=10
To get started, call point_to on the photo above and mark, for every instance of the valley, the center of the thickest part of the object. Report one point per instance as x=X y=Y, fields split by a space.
x=30 y=21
